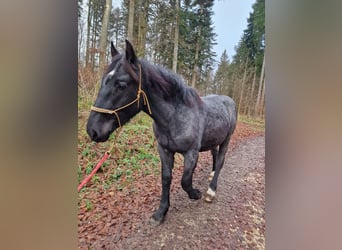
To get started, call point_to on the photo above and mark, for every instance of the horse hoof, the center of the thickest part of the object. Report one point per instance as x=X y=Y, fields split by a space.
x=195 y=194
x=211 y=176
x=210 y=195
x=154 y=223
x=208 y=199
x=157 y=218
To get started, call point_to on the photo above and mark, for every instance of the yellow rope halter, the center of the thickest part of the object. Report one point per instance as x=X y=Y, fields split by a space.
x=114 y=111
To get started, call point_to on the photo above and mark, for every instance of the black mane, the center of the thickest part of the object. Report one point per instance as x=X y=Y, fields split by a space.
x=169 y=84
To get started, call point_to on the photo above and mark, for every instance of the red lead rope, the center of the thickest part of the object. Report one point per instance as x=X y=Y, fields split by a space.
x=99 y=164
x=108 y=111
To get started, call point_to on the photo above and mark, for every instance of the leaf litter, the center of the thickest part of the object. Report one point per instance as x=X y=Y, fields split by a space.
x=113 y=212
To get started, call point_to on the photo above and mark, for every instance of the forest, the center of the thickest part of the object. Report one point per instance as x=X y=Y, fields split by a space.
x=114 y=207
x=179 y=35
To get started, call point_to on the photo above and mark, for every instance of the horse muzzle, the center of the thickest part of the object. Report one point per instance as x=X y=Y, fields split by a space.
x=99 y=133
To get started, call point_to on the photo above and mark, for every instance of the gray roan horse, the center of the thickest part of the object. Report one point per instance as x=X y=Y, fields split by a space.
x=183 y=122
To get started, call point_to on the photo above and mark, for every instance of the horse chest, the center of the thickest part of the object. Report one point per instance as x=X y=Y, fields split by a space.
x=177 y=138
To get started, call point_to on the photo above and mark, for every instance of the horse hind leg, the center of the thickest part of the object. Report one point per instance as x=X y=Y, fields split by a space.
x=210 y=195
x=214 y=152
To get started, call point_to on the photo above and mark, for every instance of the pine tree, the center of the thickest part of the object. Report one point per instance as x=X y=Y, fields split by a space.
x=252 y=43
x=221 y=80
x=176 y=39
x=155 y=24
x=197 y=38
x=247 y=63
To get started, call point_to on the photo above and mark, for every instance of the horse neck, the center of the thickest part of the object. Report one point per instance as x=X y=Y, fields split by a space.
x=161 y=109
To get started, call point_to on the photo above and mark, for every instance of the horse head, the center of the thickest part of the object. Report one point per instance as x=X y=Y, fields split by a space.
x=119 y=95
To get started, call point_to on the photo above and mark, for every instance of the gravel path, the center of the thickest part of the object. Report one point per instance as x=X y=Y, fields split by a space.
x=235 y=220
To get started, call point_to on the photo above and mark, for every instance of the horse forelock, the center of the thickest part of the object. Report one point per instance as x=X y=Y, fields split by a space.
x=129 y=68
x=111 y=68
x=117 y=61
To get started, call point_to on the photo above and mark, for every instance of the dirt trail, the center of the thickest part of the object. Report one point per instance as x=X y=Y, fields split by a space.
x=235 y=220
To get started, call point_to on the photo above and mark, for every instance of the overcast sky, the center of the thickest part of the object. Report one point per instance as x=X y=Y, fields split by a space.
x=230 y=19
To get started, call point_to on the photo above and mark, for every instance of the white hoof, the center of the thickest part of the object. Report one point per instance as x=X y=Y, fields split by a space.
x=210 y=195
x=208 y=199
x=211 y=176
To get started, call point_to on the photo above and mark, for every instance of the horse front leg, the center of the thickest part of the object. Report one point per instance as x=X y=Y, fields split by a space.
x=190 y=162
x=167 y=159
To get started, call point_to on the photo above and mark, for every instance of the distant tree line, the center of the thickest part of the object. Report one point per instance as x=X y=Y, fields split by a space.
x=243 y=78
x=179 y=35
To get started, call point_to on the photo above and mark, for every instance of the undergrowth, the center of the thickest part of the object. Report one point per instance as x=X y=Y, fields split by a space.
x=256 y=123
x=134 y=156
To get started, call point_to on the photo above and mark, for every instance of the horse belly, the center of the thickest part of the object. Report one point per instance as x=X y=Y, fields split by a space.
x=214 y=135
x=178 y=138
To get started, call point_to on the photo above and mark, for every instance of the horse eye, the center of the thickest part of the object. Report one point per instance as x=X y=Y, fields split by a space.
x=122 y=84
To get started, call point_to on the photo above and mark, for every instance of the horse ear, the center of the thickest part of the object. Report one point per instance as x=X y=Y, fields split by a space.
x=130 y=54
x=113 y=50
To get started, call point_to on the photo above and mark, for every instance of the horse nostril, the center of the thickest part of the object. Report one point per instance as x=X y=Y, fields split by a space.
x=94 y=136
x=92 y=133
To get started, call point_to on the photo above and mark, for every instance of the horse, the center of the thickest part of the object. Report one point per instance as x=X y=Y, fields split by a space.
x=183 y=122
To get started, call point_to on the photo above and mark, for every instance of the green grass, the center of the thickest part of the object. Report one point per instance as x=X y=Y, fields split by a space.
x=256 y=123
x=136 y=153
x=88 y=204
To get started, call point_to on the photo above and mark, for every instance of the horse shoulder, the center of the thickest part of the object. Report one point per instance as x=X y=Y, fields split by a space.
x=183 y=131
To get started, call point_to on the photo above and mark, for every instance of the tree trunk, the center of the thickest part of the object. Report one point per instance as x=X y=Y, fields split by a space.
x=93 y=45
x=131 y=21
x=95 y=25
x=247 y=101
x=80 y=41
x=243 y=86
x=257 y=104
x=195 y=69
x=262 y=103
x=103 y=37
x=142 y=27
x=252 y=93
x=234 y=84
x=175 y=47
x=88 y=34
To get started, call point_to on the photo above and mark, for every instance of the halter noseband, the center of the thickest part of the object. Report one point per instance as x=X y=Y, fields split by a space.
x=114 y=111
